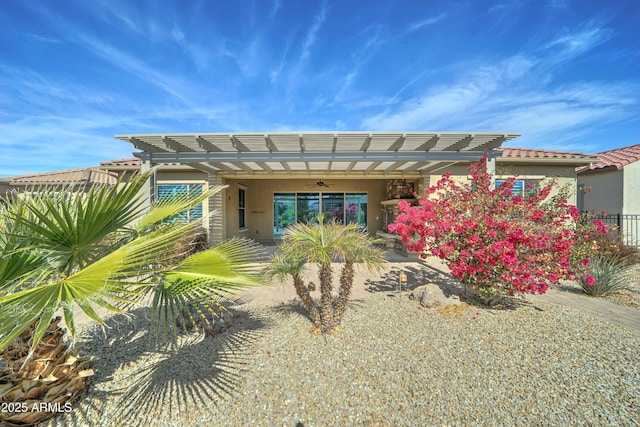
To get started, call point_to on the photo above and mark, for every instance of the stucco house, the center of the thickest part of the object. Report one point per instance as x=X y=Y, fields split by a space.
x=276 y=179
x=78 y=179
x=610 y=190
x=612 y=184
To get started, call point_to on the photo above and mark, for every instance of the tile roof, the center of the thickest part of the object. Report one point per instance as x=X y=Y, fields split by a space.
x=133 y=161
x=543 y=154
x=83 y=176
x=618 y=157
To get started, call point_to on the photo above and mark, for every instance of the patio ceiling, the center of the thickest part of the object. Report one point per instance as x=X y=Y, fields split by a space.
x=366 y=154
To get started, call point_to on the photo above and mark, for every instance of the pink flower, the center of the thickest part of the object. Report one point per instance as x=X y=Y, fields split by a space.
x=600 y=227
x=590 y=280
x=573 y=211
x=489 y=238
x=585 y=262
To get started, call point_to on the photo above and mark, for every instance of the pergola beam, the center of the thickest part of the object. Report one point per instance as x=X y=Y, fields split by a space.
x=206 y=145
x=206 y=168
x=311 y=156
x=394 y=166
x=141 y=145
x=175 y=145
x=463 y=143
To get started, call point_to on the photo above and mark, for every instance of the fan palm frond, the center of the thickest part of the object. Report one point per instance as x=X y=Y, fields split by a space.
x=207 y=278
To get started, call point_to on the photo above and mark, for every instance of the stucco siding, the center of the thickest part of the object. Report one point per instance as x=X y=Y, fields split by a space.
x=180 y=175
x=604 y=191
x=631 y=189
x=259 y=202
x=259 y=194
x=564 y=176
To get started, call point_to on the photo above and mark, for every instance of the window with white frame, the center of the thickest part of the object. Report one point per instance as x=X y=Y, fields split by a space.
x=169 y=191
x=524 y=188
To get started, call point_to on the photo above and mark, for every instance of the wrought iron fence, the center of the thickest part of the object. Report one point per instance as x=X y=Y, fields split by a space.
x=627 y=225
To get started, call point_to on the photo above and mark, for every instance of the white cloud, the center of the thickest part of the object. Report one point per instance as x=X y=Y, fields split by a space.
x=499 y=6
x=312 y=34
x=509 y=97
x=277 y=4
x=44 y=39
x=571 y=44
x=424 y=23
x=558 y=4
x=443 y=105
x=309 y=41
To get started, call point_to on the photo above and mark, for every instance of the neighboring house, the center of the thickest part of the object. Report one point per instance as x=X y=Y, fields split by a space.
x=78 y=179
x=276 y=179
x=612 y=184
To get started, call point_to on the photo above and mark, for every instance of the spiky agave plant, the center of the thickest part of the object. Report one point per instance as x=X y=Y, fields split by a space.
x=61 y=249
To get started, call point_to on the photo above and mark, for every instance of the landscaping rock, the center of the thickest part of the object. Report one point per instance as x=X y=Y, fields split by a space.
x=431 y=295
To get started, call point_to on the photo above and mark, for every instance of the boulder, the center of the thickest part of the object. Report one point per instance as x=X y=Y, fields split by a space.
x=431 y=295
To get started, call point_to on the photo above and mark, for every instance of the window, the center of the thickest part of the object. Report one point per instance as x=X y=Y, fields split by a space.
x=289 y=208
x=169 y=191
x=241 y=208
x=523 y=187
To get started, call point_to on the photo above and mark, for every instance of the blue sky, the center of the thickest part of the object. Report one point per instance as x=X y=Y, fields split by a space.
x=564 y=73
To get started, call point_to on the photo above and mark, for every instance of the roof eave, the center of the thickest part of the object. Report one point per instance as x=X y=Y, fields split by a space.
x=587 y=171
x=547 y=160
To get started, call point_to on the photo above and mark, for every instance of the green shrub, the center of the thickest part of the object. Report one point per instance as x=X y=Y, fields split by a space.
x=609 y=273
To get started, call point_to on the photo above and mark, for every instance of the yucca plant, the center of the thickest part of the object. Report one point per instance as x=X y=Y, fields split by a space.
x=323 y=244
x=61 y=250
x=607 y=274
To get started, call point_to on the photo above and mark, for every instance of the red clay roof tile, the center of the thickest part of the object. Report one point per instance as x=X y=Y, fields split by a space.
x=618 y=157
x=133 y=161
x=91 y=175
x=542 y=154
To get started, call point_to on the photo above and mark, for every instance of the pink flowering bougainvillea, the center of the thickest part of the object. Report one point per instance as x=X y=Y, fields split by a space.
x=495 y=242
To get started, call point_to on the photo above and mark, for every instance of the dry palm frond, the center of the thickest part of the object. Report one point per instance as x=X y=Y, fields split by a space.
x=51 y=379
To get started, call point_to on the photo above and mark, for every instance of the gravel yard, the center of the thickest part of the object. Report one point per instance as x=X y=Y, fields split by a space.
x=393 y=364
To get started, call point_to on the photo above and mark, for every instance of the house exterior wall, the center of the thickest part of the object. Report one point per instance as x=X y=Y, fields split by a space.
x=259 y=202
x=631 y=189
x=259 y=194
x=4 y=189
x=565 y=176
x=605 y=194
x=176 y=176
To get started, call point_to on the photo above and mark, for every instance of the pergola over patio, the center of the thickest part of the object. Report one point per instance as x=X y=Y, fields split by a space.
x=321 y=154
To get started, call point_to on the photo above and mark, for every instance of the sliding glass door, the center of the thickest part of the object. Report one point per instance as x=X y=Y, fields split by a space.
x=333 y=207
x=345 y=208
x=284 y=212
x=308 y=205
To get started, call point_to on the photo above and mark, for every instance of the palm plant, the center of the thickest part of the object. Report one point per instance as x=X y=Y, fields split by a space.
x=61 y=249
x=323 y=244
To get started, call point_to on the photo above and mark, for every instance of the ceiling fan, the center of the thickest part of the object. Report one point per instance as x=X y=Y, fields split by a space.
x=319 y=183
